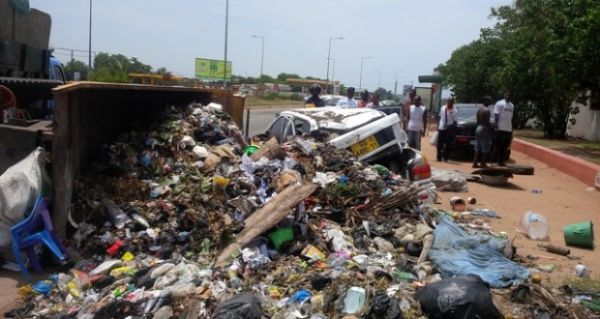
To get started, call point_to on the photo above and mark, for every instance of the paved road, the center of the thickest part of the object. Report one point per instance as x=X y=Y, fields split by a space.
x=261 y=118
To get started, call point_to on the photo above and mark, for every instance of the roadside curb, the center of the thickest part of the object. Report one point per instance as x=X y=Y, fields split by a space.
x=571 y=165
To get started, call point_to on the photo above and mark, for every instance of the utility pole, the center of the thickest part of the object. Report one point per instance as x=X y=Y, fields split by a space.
x=379 y=80
x=333 y=77
x=226 y=36
x=329 y=58
x=90 y=40
x=396 y=84
x=262 y=53
x=362 y=62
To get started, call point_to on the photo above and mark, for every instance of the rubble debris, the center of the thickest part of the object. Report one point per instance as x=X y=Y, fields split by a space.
x=267 y=216
x=183 y=219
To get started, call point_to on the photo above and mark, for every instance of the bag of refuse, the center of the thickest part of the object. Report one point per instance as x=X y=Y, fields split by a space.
x=384 y=307
x=20 y=185
x=242 y=306
x=449 y=181
x=461 y=297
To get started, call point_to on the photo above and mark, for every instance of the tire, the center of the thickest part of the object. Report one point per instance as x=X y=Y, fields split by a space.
x=518 y=169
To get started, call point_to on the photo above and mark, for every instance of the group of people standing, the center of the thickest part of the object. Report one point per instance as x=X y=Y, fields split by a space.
x=492 y=139
x=366 y=99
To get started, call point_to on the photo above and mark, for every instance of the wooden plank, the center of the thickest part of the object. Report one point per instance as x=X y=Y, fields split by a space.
x=267 y=216
x=269 y=150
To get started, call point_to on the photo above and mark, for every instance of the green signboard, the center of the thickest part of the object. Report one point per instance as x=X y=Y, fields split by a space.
x=212 y=69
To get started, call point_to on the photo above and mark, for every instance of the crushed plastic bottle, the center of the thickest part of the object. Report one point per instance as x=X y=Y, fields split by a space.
x=535 y=225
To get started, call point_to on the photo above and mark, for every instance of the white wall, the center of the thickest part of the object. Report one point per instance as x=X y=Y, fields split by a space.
x=587 y=123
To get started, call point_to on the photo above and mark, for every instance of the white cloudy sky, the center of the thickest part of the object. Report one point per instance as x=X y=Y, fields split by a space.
x=408 y=36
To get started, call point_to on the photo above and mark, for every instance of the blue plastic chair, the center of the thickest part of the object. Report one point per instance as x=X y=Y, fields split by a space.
x=36 y=229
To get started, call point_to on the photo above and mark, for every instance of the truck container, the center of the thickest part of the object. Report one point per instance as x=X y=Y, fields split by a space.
x=88 y=115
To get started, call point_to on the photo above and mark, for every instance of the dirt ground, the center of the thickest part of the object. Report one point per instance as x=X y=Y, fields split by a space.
x=564 y=200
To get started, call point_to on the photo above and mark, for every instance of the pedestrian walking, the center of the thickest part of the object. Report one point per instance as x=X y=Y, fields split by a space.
x=483 y=134
x=348 y=101
x=417 y=122
x=446 y=130
x=503 y=114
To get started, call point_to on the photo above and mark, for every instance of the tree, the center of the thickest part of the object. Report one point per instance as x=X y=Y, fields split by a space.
x=471 y=72
x=76 y=66
x=116 y=68
x=544 y=51
x=384 y=94
x=282 y=77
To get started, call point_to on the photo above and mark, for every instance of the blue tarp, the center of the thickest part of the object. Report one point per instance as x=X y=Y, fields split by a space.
x=457 y=253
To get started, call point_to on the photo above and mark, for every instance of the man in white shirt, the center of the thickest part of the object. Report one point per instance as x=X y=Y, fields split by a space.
x=503 y=114
x=446 y=130
x=348 y=101
x=417 y=121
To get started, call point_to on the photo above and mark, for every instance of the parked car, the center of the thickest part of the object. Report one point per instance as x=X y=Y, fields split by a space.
x=390 y=103
x=371 y=135
x=331 y=100
x=392 y=109
x=467 y=123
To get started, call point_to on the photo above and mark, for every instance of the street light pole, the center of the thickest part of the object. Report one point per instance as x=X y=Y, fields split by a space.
x=329 y=58
x=262 y=53
x=226 y=37
x=333 y=76
x=362 y=62
x=90 y=40
x=379 y=80
x=396 y=84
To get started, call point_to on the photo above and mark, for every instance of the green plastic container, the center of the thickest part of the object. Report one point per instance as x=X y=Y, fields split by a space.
x=281 y=236
x=251 y=149
x=580 y=234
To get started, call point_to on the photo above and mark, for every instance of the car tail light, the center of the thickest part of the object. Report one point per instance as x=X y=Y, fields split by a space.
x=462 y=139
x=421 y=171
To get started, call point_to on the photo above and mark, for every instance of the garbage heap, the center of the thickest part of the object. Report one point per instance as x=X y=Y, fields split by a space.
x=184 y=220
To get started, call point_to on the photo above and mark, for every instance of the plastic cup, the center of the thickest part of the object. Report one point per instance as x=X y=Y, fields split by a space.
x=579 y=234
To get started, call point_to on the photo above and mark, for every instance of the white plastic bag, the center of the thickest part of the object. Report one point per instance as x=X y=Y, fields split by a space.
x=434 y=139
x=20 y=185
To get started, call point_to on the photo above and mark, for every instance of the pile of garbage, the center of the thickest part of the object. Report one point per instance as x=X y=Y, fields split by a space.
x=184 y=219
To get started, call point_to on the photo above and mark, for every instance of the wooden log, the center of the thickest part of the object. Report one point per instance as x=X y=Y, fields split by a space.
x=266 y=217
x=269 y=150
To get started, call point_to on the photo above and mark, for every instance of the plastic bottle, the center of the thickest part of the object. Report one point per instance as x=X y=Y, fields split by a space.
x=535 y=225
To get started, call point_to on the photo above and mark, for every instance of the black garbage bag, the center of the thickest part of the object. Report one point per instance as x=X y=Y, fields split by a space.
x=384 y=307
x=463 y=297
x=242 y=306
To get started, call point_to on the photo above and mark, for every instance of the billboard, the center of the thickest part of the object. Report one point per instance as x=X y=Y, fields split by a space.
x=208 y=69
